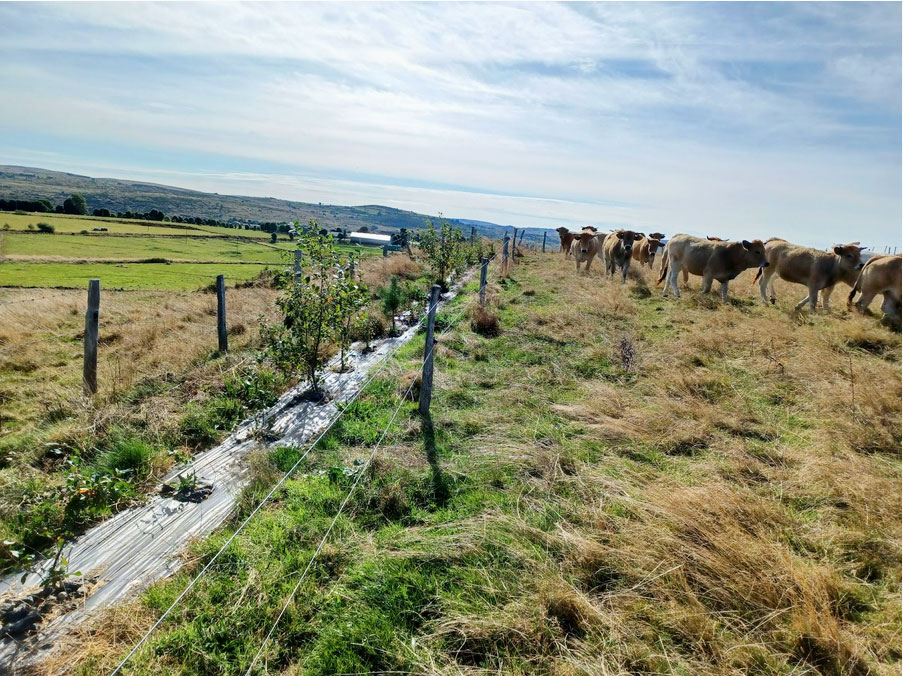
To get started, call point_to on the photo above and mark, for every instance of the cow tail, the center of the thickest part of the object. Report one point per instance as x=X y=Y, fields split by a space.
x=856 y=288
x=664 y=269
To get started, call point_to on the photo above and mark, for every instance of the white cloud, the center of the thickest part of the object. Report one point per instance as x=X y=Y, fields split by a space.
x=700 y=116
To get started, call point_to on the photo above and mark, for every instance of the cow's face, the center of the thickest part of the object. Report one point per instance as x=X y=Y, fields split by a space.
x=850 y=256
x=628 y=237
x=755 y=250
x=655 y=243
x=584 y=239
x=562 y=231
x=656 y=235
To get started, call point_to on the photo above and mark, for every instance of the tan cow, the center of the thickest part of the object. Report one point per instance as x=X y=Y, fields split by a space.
x=567 y=238
x=816 y=270
x=584 y=248
x=618 y=251
x=881 y=274
x=644 y=252
x=710 y=260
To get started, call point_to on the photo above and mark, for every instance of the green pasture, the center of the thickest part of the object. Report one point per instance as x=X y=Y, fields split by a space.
x=172 y=248
x=75 y=224
x=127 y=276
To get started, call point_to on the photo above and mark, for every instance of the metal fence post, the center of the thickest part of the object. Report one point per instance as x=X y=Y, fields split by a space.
x=221 y=313
x=426 y=380
x=544 y=241
x=92 y=319
x=505 y=256
x=484 y=269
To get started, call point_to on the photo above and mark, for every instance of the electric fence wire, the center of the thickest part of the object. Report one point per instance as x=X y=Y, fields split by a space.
x=260 y=505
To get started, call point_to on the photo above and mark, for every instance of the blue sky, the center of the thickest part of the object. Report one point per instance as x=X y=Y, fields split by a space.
x=736 y=119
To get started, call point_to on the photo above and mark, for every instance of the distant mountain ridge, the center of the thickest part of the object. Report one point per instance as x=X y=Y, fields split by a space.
x=31 y=183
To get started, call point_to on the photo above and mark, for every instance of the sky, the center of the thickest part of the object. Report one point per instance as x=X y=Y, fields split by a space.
x=742 y=120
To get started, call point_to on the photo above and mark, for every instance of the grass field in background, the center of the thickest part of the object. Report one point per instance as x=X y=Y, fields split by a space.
x=75 y=224
x=171 y=248
x=127 y=276
x=40 y=260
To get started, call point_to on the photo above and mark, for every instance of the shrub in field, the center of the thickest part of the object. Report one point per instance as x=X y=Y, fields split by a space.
x=314 y=311
x=393 y=298
x=444 y=250
x=46 y=228
x=351 y=297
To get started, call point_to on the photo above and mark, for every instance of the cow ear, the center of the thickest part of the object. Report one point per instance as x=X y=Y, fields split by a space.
x=747 y=244
x=638 y=236
x=863 y=248
x=838 y=250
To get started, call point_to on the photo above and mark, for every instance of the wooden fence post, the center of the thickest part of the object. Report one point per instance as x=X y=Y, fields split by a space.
x=221 y=314
x=385 y=250
x=473 y=234
x=297 y=273
x=484 y=269
x=505 y=256
x=92 y=317
x=426 y=380
x=544 y=241
x=523 y=231
x=513 y=258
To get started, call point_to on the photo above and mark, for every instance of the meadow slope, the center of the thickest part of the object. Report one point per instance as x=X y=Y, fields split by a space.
x=615 y=484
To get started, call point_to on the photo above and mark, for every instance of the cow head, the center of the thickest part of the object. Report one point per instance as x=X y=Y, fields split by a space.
x=655 y=243
x=850 y=256
x=584 y=239
x=628 y=237
x=656 y=235
x=755 y=252
x=562 y=231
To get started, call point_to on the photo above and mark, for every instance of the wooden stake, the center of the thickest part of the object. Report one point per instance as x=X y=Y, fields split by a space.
x=426 y=381
x=92 y=320
x=221 y=314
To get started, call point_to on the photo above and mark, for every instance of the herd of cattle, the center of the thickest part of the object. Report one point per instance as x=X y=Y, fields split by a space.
x=715 y=259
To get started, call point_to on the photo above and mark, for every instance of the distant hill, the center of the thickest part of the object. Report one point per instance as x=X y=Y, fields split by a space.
x=29 y=183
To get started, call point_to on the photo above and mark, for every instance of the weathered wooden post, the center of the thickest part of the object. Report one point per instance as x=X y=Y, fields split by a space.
x=484 y=269
x=544 y=241
x=426 y=380
x=221 y=314
x=505 y=256
x=514 y=248
x=523 y=231
x=385 y=250
x=92 y=317
x=297 y=272
x=473 y=234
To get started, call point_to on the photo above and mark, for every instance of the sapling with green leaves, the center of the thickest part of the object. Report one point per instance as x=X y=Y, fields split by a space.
x=444 y=250
x=351 y=297
x=393 y=297
x=311 y=311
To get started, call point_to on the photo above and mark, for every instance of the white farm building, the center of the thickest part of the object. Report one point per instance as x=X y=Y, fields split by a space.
x=369 y=239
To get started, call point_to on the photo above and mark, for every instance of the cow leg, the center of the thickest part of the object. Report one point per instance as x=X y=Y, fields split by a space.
x=799 y=306
x=764 y=280
x=706 y=283
x=826 y=298
x=624 y=266
x=577 y=263
x=589 y=261
x=724 y=292
x=686 y=278
x=672 y=279
x=865 y=299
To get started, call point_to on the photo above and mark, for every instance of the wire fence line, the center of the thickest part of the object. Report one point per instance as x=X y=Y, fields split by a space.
x=273 y=491
x=360 y=473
